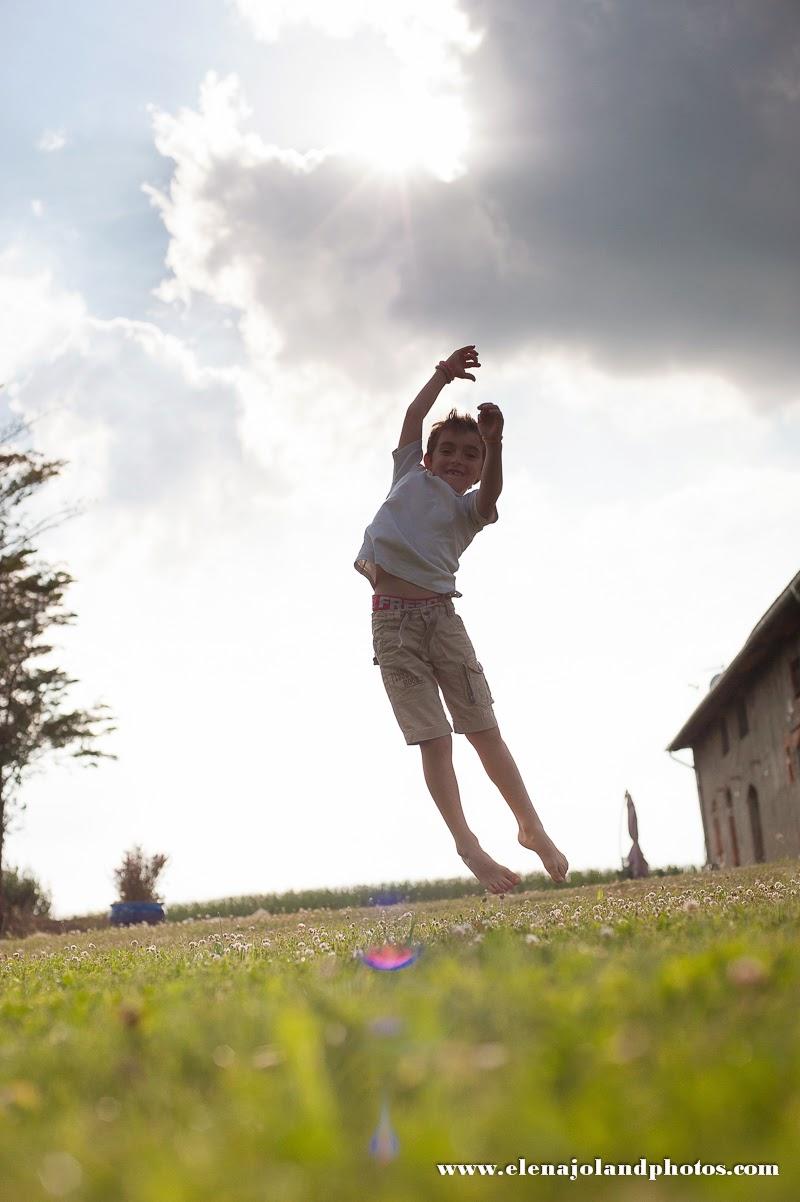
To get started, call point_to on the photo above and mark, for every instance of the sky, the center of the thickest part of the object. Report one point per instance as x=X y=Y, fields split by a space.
x=235 y=238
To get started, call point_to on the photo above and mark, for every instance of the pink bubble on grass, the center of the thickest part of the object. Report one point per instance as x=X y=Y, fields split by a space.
x=390 y=956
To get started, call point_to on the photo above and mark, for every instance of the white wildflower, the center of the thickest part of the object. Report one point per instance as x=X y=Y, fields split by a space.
x=489 y=1056
x=746 y=971
x=60 y=1173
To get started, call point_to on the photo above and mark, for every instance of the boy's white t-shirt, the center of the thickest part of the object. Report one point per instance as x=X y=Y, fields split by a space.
x=422 y=528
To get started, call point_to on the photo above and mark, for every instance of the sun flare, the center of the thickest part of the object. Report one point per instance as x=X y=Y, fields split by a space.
x=399 y=133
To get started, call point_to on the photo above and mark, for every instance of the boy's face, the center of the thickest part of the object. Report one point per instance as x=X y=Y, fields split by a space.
x=457 y=458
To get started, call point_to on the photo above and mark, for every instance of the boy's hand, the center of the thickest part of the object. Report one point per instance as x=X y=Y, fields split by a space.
x=490 y=422
x=460 y=360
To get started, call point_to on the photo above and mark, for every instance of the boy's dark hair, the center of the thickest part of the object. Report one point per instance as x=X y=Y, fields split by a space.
x=455 y=421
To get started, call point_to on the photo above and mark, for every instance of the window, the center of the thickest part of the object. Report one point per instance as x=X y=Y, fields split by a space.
x=723 y=734
x=741 y=715
x=794 y=671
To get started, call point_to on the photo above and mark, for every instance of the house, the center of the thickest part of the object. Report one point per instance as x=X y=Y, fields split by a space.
x=745 y=737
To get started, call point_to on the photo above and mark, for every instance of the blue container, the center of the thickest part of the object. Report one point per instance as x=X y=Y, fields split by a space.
x=125 y=913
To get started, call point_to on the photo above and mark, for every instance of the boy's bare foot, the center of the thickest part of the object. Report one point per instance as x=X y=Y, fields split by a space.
x=535 y=838
x=496 y=877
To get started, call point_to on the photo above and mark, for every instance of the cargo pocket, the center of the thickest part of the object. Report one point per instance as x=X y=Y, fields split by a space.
x=375 y=646
x=478 y=691
x=378 y=641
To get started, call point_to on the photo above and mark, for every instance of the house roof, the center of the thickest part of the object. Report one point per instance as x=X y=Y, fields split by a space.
x=781 y=620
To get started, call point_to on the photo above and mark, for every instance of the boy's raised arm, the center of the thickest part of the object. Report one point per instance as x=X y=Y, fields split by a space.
x=444 y=373
x=490 y=428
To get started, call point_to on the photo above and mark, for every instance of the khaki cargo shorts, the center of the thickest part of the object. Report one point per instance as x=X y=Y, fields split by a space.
x=422 y=647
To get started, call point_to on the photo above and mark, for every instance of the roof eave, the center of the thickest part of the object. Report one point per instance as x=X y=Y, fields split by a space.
x=758 y=643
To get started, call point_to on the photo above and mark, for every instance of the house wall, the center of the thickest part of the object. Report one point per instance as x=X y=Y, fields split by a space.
x=759 y=758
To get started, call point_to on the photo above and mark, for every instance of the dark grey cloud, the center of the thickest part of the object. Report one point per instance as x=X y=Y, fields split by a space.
x=632 y=195
x=640 y=163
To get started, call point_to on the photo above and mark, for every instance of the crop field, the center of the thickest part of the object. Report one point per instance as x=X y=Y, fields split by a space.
x=279 y=1059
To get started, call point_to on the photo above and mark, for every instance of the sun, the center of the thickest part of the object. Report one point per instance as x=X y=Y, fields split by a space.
x=399 y=133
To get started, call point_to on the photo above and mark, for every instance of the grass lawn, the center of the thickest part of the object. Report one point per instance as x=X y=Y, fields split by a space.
x=237 y=1059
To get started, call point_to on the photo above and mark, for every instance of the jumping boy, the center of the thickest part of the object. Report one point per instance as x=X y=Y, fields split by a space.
x=410 y=555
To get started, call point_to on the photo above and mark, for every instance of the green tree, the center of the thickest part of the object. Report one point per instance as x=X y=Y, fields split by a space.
x=35 y=719
x=26 y=901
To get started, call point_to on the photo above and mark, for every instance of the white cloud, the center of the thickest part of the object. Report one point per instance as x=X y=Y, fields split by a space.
x=146 y=428
x=421 y=121
x=52 y=139
x=37 y=208
x=247 y=232
x=428 y=36
x=37 y=317
x=639 y=404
